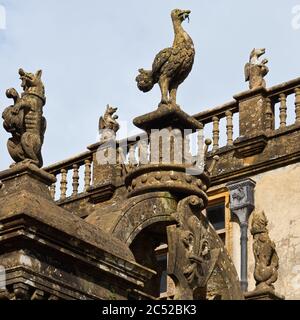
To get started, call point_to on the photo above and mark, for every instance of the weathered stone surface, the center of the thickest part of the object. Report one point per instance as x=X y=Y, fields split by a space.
x=198 y=262
x=263 y=294
x=25 y=121
x=252 y=105
x=278 y=194
x=171 y=65
x=108 y=125
x=129 y=210
x=265 y=255
x=50 y=249
x=167 y=116
x=256 y=70
x=167 y=177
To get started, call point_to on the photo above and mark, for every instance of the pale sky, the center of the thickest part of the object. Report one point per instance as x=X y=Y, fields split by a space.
x=90 y=51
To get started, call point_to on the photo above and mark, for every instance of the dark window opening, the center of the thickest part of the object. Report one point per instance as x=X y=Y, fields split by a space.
x=162 y=262
x=216 y=216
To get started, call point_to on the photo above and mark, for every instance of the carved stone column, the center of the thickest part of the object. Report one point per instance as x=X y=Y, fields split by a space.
x=241 y=205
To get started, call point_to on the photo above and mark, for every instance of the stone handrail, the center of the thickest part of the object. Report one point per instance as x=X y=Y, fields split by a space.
x=278 y=95
x=131 y=147
x=214 y=116
x=60 y=171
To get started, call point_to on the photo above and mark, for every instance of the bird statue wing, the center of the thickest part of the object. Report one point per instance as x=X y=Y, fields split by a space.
x=246 y=71
x=160 y=59
x=102 y=123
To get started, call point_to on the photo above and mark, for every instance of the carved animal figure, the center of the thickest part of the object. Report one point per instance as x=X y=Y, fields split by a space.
x=108 y=121
x=24 y=119
x=255 y=70
x=108 y=125
x=172 y=65
x=266 y=258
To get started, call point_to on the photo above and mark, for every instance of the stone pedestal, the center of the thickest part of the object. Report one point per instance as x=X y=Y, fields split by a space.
x=265 y=294
x=252 y=106
x=167 y=116
x=50 y=253
x=253 y=122
x=104 y=174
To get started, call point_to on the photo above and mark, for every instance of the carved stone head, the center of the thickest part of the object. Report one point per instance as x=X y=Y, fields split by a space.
x=256 y=53
x=32 y=83
x=259 y=222
x=180 y=15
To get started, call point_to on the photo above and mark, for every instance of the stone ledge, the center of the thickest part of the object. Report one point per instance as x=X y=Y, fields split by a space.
x=245 y=95
x=263 y=294
x=28 y=169
x=250 y=146
x=167 y=116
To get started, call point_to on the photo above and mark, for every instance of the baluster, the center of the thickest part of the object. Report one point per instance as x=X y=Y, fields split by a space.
x=75 y=183
x=282 y=115
x=53 y=190
x=297 y=104
x=143 y=152
x=200 y=150
x=187 y=154
x=87 y=174
x=131 y=157
x=121 y=158
x=63 y=184
x=269 y=115
x=229 y=128
x=216 y=132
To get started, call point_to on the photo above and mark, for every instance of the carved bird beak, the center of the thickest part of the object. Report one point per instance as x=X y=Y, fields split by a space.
x=185 y=14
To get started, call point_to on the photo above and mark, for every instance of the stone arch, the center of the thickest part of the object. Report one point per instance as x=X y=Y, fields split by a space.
x=143 y=227
x=143 y=211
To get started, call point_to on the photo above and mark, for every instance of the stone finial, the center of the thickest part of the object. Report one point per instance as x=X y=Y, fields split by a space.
x=108 y=125
x=266 y=258
x=24 y=119
x=255 y=70
x=172 y=65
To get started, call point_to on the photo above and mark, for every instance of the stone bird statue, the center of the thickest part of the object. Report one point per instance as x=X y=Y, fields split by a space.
x=172 y=65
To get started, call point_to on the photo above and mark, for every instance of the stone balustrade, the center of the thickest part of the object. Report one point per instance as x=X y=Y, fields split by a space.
x=277 y=103
x=74 y=175
x=214 y=116
x=69 y=172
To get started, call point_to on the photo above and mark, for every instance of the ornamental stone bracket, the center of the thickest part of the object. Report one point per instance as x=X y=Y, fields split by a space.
x=241 y=205
x=249 y=146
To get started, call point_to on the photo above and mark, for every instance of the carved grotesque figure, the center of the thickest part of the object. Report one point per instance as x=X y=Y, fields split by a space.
x=108 y=125
x=24 y=119
x=256 y=70
x=266 y=259
x=172 y=65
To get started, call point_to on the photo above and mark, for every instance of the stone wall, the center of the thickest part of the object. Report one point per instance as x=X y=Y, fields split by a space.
x=277 y=192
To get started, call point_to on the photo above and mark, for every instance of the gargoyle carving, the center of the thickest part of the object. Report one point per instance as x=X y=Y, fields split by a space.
x=191 y=259
x=172 y=65
x=24 y=119
x=108 y=125
x=256 y=70
x=238 y=194
x=266 y=258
